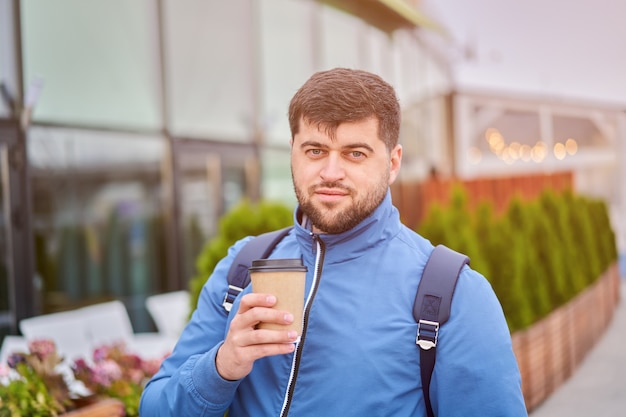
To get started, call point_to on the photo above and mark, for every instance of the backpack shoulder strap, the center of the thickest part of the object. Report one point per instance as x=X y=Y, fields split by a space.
x=432 y=307
x=259 y=247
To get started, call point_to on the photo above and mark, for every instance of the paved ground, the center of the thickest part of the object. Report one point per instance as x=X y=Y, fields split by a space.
x=598 y=387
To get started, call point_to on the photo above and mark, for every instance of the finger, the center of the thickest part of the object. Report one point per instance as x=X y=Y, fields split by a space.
x=263 y=350
x=241 y=349
x=252 y=300
x=251 y=318
x=234 y=363
x=268 y=337
x=269 y=315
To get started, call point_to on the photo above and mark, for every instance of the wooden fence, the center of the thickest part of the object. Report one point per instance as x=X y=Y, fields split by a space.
x=549 y=352
x=413 y=198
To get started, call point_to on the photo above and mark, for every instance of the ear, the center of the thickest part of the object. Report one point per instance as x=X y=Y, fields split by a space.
x=395 y=162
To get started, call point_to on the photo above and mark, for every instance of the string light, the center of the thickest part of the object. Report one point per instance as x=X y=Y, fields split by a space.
x=571 y=146
x=559 y=151
x=510 y=153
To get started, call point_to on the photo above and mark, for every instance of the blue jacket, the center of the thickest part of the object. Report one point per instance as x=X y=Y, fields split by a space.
x=357 y=355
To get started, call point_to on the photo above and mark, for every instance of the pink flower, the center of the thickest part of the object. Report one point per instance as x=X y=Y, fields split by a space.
x=133 y=360
x=114 y=371
x=4 y=370
x=42 y=348
x=100 y=353
x=82 y=371
x=106 y=372
x=135 y=376
x=80 y=365
x=151 y=366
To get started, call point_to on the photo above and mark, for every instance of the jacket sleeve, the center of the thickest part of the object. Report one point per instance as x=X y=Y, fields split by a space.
x=476 y=372
x=188 y=382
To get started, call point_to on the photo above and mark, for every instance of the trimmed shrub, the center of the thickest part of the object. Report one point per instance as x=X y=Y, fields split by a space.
x=496 y=234
x=487 y=239
x=461 y=232
x=537 y=256
x=584 y=243
x=433 y=227
x=554 y=210
x=603 y=232
x=527 y=265
x=511 y=288
x=454 y=227
x=544 y=240
x=245 y=219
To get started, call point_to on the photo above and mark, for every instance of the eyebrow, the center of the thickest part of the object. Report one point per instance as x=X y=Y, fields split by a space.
x=357 y=145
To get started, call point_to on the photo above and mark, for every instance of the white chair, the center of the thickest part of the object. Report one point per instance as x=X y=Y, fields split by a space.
x=106 y=323
x=66 y=329
x=151 y=345
x=170 y=311
x=78 y=332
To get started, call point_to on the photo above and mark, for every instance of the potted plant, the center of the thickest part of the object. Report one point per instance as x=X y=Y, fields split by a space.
x=34 y=383
x=116 y=373
x=34 y=386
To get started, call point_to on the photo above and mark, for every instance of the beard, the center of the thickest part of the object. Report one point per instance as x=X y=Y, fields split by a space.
x=330 y=219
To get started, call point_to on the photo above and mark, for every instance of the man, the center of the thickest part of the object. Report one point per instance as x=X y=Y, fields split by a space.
x=356 y=355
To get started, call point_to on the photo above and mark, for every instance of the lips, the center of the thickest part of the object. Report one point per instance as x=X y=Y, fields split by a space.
x=330 y=195
x=334 y=191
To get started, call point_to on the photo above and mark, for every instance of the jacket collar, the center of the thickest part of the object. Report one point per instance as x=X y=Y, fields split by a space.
x=380 y=226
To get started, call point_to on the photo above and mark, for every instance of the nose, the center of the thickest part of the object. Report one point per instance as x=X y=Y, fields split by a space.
x=333 y=169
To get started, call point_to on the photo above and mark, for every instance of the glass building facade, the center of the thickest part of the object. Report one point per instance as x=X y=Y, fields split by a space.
x=141 y=123
x=128 y=128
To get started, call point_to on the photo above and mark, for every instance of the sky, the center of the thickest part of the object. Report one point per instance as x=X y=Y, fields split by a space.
x=551 y=48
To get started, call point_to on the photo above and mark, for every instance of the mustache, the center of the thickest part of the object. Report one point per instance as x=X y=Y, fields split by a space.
x=330 y=184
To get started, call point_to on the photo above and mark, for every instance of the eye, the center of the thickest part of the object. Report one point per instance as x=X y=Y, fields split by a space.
x=315 y=152
x=356 y=155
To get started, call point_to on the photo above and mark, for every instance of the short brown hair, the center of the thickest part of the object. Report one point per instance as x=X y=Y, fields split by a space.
x=340 y=95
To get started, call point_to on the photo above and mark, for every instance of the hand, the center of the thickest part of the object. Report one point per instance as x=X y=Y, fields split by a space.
x=244 y=343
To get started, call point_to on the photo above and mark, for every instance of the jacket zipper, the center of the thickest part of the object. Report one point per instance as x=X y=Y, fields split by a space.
x=319 y=261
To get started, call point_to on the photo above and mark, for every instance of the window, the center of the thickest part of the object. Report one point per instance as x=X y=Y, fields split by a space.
x=97 y=218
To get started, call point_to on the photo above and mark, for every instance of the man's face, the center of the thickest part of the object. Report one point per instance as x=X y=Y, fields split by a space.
x=340 y=182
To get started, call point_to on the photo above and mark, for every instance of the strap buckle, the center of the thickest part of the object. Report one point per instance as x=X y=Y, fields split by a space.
x=427 y=334
x=229 y=298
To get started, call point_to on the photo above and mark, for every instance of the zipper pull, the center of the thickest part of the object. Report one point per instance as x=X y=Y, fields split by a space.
x=317 y=242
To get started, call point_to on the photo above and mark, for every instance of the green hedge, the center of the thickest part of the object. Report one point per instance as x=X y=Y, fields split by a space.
x=538 y=255
x=245 y=219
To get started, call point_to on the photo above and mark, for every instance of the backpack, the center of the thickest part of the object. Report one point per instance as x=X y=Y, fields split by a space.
x=432 y=301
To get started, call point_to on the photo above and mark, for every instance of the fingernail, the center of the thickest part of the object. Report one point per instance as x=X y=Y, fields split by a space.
x=271 y=299
x=288 y=317
x=292 y=335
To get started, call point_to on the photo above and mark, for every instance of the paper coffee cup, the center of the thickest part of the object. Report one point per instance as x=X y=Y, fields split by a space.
x=285 y=279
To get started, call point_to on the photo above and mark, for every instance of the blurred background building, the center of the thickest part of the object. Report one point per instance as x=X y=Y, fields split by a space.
x=128 y=128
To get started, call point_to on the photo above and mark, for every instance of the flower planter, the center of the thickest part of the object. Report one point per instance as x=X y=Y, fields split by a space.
x=106 y=407
x=549 y=352
x=40 y=388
